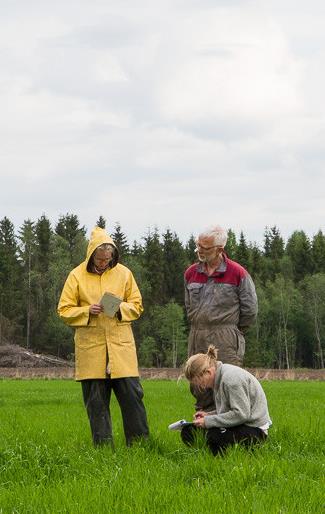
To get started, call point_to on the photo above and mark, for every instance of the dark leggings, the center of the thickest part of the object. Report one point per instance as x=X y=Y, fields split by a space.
x=129 y=394
x=218 y=439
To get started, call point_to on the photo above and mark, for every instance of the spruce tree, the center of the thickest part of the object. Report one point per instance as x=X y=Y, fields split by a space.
x=43 y=239
x=190 y=250
x=267 y=242
x=101 y=222
x=69 y=228
x=318 y=252
x=153 y=261
x=256 y=261
x=299 y=250
x=120 y=240
x=27 y=253
x=231 y=246
x=10 y=281
x=243 y=252
x=273 y=252
x=174 y=267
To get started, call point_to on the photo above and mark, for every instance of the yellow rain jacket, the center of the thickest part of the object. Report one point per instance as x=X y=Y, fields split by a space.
x=101 y=341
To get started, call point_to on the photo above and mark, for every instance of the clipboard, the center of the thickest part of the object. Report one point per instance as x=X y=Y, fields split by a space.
x=111 y=304
x=178 y=425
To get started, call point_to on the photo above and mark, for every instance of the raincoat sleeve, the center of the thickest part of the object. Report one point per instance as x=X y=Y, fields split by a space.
x=69 y=309
x=131 y=308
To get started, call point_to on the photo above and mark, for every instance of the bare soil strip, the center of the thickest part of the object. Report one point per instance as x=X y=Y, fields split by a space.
x=159 y=373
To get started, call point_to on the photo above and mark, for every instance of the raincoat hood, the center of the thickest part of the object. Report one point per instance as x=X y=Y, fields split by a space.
x=98 y=237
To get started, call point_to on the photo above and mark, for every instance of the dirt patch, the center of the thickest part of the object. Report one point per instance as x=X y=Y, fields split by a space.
x=14 y=356
x=18 y=362
x=25 y=372
x=260 y=373
x=28 y=373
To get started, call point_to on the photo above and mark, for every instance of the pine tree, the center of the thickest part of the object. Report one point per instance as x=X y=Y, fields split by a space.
x=137 y=249
x=43 y=240
x=256 y=261
x=120 y=240
x=243 y=251
x=190 y=250
x=276 y=244
x=174 y=266
x=267 y=242
x=27 y=253
x=69 y=228
x=231 y=246
x=42 y=305
x=9 y=266
x=10 y=280
x=273 y=251
x=318 y=252
x=101 y=222
x=299 y=250
x=153 y=261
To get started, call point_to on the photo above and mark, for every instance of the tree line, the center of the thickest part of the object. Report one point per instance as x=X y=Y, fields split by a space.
x=289 y=278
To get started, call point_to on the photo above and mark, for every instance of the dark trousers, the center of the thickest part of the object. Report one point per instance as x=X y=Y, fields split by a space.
x=218 y=439
x=129 y=394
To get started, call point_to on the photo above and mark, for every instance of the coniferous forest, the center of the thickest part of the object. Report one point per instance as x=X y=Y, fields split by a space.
x=36 y=258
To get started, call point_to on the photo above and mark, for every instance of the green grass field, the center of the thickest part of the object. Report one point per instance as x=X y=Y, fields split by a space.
x=48 y=464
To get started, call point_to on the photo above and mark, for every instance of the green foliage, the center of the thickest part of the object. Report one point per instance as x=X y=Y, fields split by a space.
x=148 y=356
x=58 y=338
x=314 y=289
x=318 y=252
x=290 y=329
x=231 y=246
x=175 y=263
x=43 y=237
x=299 y=251
x=10 y=278
x=153 y=262
x=190 y=250
x=284 y=307
x=121 y=242
x=68 y=227
x=242 y=252
x=101 y=222
x=165 y=324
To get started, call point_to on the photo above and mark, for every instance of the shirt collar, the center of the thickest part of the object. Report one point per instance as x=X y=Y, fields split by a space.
x=221 y=268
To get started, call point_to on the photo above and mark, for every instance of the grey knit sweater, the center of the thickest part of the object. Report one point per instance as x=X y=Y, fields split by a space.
x=239 y=399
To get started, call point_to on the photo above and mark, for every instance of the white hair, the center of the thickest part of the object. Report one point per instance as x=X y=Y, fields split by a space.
x=218 y=233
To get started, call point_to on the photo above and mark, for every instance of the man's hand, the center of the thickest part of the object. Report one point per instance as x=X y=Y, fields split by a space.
x=96 y=308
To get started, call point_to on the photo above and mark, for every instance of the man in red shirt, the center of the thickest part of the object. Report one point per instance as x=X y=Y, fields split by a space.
x=221 y=304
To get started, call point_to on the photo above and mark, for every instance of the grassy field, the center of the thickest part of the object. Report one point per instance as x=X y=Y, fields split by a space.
x=48 y=464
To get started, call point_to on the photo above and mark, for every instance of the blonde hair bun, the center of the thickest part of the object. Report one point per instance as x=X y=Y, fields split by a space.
x=199 y=363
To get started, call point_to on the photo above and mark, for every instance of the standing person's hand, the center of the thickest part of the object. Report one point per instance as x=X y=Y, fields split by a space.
x=96 y=308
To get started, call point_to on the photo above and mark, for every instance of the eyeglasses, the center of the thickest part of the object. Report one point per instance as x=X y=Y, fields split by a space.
x=204 y=248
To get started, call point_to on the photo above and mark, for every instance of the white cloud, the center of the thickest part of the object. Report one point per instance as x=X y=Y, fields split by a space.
x=233 y=65
x=176 y=113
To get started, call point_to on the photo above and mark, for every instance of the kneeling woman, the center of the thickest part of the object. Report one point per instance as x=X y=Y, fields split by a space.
x=241 y=413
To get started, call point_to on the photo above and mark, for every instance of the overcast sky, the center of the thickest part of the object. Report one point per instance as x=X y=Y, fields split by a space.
x=167 y=113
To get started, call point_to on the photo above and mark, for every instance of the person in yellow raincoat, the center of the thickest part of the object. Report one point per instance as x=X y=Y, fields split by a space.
x=105 y=352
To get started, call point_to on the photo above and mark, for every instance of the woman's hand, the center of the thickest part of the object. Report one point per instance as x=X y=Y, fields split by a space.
x=96 y=309
x=198 y=418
